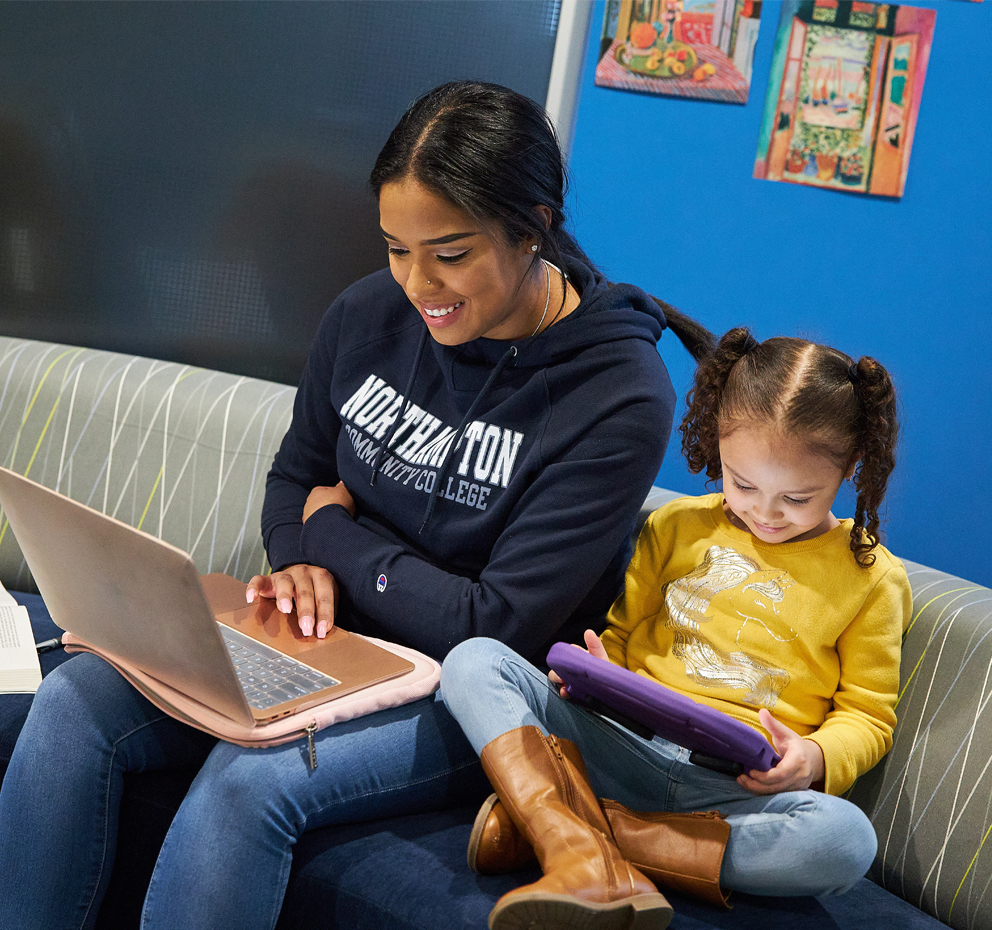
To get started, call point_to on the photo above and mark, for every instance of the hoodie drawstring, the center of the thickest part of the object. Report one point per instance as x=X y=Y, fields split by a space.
x=406 y=404
x=449 y=454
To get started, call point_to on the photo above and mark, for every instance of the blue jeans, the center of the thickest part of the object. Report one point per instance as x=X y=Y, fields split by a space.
x=227 y=856
x=792 y=843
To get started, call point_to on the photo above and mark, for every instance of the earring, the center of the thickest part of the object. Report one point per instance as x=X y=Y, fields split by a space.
x=533 y=248
x=428 y=281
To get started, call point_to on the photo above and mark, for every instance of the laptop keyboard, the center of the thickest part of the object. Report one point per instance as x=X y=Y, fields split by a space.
x=267 y=676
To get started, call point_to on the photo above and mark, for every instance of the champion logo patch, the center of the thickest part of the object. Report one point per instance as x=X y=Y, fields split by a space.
x=380 y=583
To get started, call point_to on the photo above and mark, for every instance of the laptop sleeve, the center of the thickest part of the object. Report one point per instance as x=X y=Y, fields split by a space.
x=419 y=682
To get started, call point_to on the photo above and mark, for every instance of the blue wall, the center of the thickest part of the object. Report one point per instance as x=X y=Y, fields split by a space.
x=663 y=197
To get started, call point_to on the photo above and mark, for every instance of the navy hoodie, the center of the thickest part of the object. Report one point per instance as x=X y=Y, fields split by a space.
x=521 y=530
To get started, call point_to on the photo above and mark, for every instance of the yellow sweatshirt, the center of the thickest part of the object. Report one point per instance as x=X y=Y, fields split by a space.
x=740 y=624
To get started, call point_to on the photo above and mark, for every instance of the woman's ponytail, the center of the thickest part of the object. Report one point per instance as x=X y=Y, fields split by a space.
x=697 y=339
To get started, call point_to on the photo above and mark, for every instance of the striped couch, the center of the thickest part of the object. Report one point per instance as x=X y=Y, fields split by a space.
x=183 y=453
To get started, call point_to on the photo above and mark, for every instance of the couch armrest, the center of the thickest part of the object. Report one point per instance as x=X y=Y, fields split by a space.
x=929 y=798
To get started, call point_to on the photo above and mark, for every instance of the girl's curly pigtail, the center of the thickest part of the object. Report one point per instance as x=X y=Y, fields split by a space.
x=878 y=428
x=700 y=425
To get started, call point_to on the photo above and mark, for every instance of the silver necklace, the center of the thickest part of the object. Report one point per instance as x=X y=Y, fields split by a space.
x=547 y=301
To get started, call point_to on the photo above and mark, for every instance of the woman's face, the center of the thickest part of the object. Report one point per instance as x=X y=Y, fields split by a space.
x=461 y=275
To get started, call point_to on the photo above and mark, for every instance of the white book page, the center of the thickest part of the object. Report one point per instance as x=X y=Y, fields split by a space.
x=20 y=670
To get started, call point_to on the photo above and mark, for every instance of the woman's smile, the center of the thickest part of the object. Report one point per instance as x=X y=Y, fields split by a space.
x=440 y=311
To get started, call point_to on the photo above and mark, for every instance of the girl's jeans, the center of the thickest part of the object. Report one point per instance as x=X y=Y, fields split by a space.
x=792 y=843
x=227 y=856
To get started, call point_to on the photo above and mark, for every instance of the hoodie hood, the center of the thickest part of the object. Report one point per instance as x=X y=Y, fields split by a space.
x=606 y=313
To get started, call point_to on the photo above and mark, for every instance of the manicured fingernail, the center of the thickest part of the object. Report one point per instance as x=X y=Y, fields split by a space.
x=285 y=605
x=250 y=595
x=306 y=625
x=321 y=629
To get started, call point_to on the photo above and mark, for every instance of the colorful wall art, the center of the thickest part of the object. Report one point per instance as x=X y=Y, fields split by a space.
x=683 y=48
x=844 y=95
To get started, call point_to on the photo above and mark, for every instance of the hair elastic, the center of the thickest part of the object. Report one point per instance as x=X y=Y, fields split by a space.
x=854 y=373
x=750 y=344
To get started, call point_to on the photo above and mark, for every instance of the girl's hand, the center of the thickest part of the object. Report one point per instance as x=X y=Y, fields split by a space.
x=322 y=496
x=313 y=589
x=595 y=648
x=800 y=766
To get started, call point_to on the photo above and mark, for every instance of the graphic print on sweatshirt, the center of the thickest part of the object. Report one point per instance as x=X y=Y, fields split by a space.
x=482 y=462
x=729 y=585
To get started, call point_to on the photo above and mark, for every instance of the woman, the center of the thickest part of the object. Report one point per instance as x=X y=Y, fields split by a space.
x=472 y=437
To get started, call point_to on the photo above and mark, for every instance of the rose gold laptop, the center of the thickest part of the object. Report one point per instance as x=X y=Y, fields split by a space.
x=142 y=599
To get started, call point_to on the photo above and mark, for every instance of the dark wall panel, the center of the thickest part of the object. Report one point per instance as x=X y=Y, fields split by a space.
x=188 y=180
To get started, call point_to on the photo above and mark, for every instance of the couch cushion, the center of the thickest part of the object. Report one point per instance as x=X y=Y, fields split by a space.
x=410 y=872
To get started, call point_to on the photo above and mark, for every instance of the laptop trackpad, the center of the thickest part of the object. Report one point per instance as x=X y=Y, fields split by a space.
x=351 y=659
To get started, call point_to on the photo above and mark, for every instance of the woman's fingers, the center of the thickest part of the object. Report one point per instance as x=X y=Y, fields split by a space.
x=325 y=594
x=322 y=496
x=313 y=590
x=259 y=586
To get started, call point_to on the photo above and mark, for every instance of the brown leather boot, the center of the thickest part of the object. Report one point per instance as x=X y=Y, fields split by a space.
x=496 y=846
x=681 y=852
x=586 y=881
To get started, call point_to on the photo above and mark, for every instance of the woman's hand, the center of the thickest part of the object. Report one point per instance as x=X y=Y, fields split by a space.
x=595 y=648
x=313 y=589
x=801 y=764
x=322 y=496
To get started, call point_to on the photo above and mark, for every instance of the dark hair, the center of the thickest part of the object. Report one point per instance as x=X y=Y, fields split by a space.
x=842 y=409
x=495 y=154
x=492 y=152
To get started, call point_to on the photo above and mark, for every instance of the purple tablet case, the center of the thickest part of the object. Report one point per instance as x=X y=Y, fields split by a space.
x=714 y=737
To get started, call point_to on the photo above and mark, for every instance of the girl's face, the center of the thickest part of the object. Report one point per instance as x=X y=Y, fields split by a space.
x=775 y=487
x=465 y=280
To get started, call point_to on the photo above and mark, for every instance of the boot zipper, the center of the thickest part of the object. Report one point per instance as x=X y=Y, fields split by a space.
x=568 y=790
x=564 y=780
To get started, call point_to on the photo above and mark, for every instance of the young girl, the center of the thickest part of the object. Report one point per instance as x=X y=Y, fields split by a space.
x=757 y=601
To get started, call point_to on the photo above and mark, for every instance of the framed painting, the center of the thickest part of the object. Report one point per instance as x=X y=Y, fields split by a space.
x=844 y=95
x=702 y=49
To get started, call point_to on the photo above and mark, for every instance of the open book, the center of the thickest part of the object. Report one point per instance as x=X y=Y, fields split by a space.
x=20 y=670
